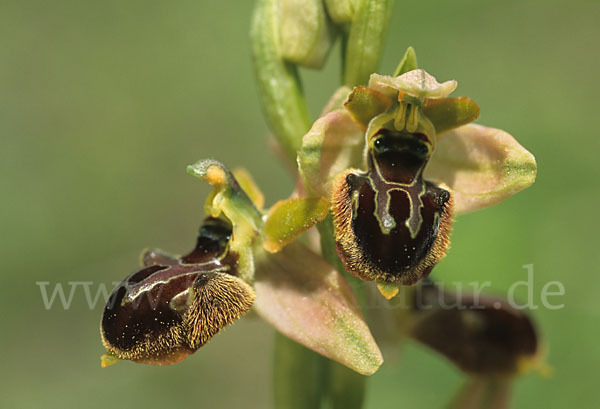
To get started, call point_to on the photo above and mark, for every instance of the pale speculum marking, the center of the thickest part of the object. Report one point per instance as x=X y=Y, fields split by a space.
x=408 y=181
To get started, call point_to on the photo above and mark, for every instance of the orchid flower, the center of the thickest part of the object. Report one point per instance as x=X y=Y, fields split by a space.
x=244 y=258
x=398 y=159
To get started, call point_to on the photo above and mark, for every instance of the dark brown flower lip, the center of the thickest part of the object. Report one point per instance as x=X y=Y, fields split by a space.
x=392 y=225
x=149 y=316
x=139 y=318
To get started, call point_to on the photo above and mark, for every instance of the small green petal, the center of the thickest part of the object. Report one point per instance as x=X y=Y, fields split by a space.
x=288 y=219
x=307 y=300
x=249 y=186
x=450 y=113
x=407 y=63
x=364 y=104
x=481 y=166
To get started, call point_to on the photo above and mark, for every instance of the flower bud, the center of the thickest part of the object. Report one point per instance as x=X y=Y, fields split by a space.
x=305 y=31
x=341 y=11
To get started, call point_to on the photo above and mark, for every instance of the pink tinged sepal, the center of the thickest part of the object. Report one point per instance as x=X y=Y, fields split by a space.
x=482 y=166
x=333 y=144
x=308 y=301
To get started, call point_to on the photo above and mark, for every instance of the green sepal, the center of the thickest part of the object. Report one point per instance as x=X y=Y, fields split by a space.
x=289 y=218
x=450 y=113
x=407 y=63
x=364 y=104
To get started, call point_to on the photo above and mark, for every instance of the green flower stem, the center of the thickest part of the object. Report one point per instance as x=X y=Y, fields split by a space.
x=346 y=387
x=302 y=378
x=280 y=91
x=484 y=393
x=366 y=40
x=299 y=375
x=361 y=54
x=306 y=380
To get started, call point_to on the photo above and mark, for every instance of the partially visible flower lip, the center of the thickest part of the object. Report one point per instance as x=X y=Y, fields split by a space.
x=482 y=335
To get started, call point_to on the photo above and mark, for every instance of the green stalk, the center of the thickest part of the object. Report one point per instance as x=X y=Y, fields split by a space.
x=484 y=393
x=346 y=387
x=304 y=379
x=279 y=86
x=299 y=375
x=366 y=40
x=361 y=53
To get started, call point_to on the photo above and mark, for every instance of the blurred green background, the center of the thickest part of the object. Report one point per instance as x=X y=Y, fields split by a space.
x=103 y=104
